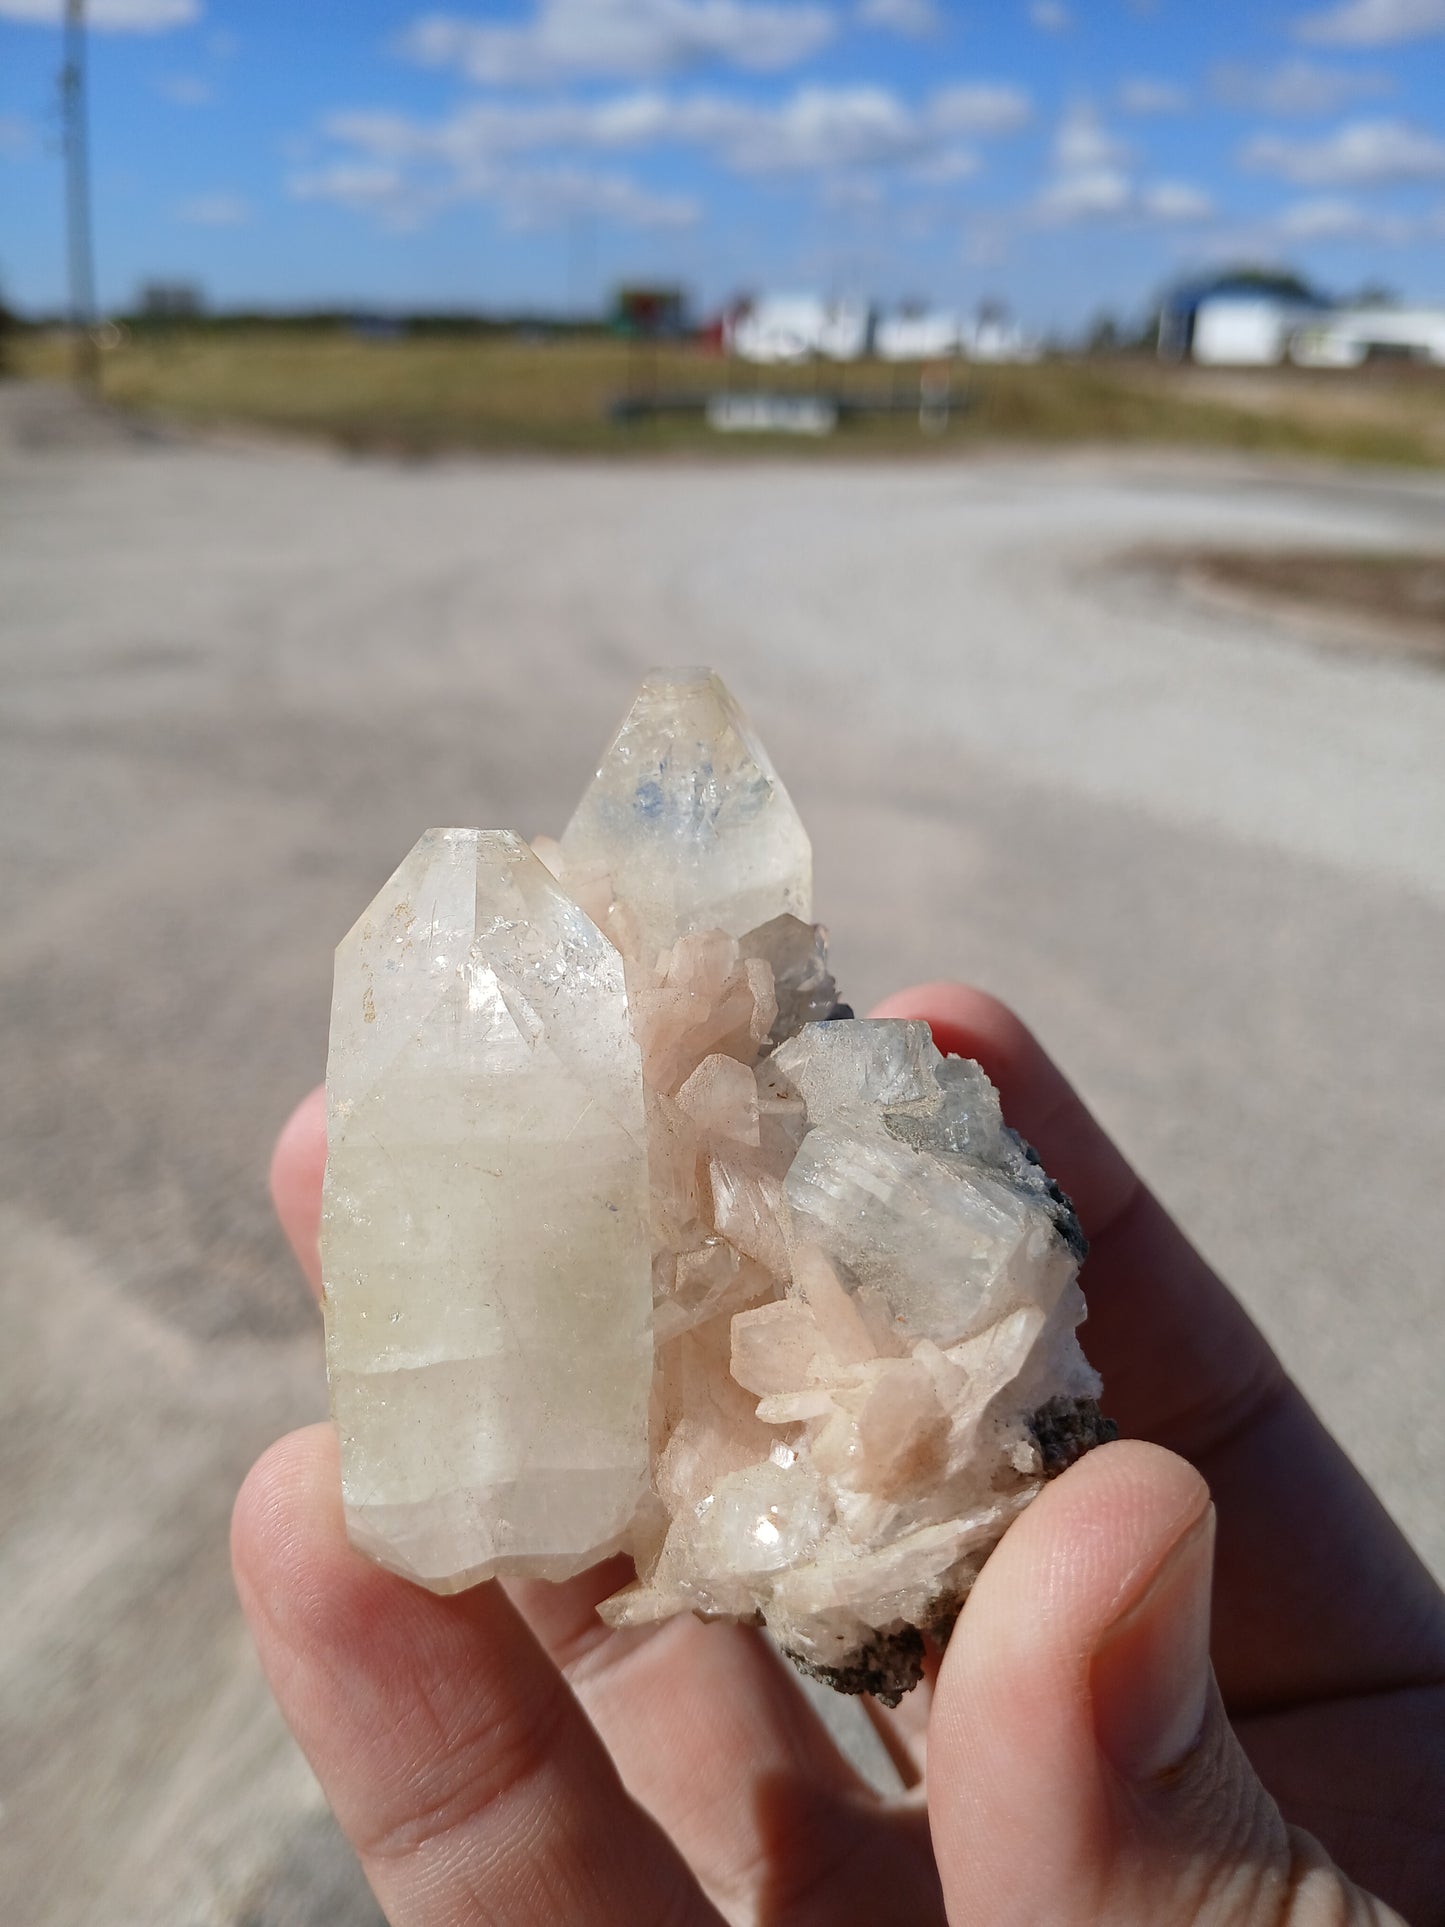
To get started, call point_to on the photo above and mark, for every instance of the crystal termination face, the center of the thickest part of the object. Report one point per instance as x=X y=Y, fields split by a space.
x=635 y=1239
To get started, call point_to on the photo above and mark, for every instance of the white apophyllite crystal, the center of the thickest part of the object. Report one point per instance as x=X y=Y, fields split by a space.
x=640 y=1239
x=484 y=1237
x=686 y=823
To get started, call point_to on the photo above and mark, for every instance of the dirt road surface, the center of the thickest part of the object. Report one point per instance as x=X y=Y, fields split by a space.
x=1204 y=859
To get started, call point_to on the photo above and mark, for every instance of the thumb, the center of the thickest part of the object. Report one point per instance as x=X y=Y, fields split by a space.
x=1081 y=1767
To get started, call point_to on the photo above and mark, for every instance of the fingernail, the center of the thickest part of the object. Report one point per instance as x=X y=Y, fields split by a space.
x=1150 y=1674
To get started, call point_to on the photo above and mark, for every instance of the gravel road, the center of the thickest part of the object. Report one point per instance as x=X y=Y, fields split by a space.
x=1204 y=856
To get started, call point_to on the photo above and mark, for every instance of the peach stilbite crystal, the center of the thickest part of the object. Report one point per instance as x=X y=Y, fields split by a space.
x=636 y=1238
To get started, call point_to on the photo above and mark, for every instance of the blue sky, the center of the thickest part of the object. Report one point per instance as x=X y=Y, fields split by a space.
x=1067 y=157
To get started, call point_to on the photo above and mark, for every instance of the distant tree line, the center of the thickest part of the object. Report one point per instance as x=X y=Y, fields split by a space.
x=139 y=321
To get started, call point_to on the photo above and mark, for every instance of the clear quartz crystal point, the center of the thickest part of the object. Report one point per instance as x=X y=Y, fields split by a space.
x=485 y=1227
x=686 y=820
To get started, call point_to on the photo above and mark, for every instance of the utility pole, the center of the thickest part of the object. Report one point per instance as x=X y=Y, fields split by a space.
x=77 y=198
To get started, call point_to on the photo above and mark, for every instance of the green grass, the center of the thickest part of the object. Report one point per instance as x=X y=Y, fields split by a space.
x=428 y=395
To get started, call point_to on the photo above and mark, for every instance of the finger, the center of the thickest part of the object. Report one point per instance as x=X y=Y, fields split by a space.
x=459 y=1765
x=1160 y=1306
x=1183 y=1365
x=711 y=1732
x=708 y=1727
x=1082 y=1765
x=298 y=1166
x=903 y=1730
x=1387 y=1830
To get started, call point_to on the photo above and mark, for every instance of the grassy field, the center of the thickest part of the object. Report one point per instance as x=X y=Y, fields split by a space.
x=427 y=395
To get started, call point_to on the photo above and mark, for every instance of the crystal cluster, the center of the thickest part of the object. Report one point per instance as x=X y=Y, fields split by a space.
x=635 y=1239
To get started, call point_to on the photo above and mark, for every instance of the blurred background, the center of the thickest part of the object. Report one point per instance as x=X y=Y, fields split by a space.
x=1036 y=412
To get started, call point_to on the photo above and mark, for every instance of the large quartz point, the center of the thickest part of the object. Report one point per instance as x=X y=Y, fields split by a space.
x=636 y=1238
x=485 y=1226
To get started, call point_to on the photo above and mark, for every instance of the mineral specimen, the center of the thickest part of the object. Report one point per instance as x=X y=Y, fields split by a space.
x=634 y=1238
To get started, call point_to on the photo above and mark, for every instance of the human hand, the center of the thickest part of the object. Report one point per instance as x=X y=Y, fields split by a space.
x=500 y=1756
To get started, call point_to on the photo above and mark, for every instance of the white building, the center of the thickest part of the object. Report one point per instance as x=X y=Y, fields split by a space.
x=1246 y=330
x=990 y=335
x=1237 y=324
x=929 y=336
x=791 y=328
x=1347 y=337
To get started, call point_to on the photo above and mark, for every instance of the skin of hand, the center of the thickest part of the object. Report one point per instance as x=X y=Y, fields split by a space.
x=500 y=1756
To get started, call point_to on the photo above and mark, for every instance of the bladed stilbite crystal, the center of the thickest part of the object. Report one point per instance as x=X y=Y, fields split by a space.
x=484 y=1232
x=635 y=1238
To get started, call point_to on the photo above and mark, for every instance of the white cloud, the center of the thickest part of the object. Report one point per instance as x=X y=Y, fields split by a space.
x=822 y=128
x=1051 y=16
x=853 y=193
x=1175 y=201
x=108 y=16
x=1094 y=180
x=1086 y=195
x=1363 y=153
x=915 y=19
x=632 y=39
x=1337 y=219
x=215 y=210
x=1141 y=95
x=184 y=90
x=1107 y=193
x=943 y=170
x=815 y=129
x=484 y=130
x=547 y=197
x=367 y=185
x=979 y=108
x=1373 y=23
x=1295 y=87
x=536 y=161
x=525 y=197
x=1084 y=145
x=380 y=189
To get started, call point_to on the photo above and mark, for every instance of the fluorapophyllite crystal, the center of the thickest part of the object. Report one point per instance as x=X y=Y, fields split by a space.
x=634 y=1238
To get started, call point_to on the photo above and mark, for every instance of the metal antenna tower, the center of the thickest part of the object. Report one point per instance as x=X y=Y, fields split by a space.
x=77 y=197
